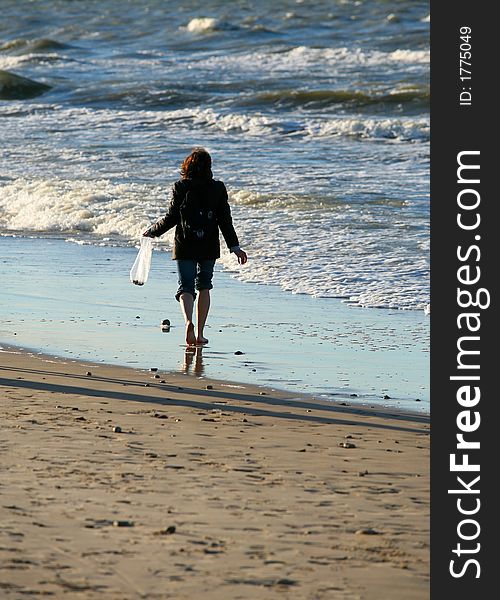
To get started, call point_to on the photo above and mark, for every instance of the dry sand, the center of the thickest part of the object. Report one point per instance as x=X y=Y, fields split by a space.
x=222 y=493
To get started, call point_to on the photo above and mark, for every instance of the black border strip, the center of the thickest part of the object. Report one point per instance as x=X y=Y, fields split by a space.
x=463 y=124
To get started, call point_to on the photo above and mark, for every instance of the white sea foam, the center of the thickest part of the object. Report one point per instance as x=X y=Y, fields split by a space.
x=202 y=24
x=403 y=129
x=249 y=122
x=303 y=251
x=303 y=58
x=97 y=207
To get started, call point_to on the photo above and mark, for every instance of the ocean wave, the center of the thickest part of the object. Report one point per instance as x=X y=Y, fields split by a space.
x=301 y=58
x=325 y=98
x=32 y=46
x=201 y=25
x=364 y=128
x=370 y=262
x=99 y=207
x=402 y=129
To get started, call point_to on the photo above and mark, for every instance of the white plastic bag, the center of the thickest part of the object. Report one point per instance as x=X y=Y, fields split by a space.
x=140 y=269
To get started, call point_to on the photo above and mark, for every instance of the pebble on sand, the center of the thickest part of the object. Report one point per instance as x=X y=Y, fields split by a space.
x=210 y=387
x=123 y=524
x=153 y=369
x=367 y=531
x=117 y=429
x=238 y=352
x=167 y=531
x=88 y=374
x=347 y=445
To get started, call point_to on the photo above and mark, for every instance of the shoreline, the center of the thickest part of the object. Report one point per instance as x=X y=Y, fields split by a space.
x=207 y=488
x=296 y=398
x=319 y=346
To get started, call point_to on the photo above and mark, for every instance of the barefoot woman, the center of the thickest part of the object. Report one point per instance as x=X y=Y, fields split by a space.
x=198 y=209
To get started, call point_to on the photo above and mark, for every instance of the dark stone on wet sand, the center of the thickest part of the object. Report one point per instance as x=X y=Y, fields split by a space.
x=123 y=524
x=367 y=531
x=238 y=352
x=153 y=369
x=347 y=445
x=386 y=397
x=117 y=429
x=88 y=374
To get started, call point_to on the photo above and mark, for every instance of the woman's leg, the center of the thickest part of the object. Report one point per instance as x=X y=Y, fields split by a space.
x=187 y=301
x=202 y=309
x=204 y=285
x=186 y=295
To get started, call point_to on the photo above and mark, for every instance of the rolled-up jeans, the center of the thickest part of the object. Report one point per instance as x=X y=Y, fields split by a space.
x=194 y=274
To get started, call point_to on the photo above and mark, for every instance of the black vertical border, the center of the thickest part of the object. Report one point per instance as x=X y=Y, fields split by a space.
x=456 y=128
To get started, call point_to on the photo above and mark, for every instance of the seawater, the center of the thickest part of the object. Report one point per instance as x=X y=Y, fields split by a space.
x=316 y=114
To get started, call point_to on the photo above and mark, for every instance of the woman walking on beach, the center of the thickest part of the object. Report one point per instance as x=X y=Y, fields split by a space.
x=198 y=209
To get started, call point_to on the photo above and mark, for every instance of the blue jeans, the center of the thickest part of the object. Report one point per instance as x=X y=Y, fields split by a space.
x=194 y=273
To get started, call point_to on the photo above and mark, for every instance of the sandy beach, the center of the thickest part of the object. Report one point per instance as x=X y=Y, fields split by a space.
x=120 y=483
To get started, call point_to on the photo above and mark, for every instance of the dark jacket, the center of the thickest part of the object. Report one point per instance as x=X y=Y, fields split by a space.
x=212 y=197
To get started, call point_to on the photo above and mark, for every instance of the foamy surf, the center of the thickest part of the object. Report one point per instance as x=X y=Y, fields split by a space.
x=202 y=24
x=389 y=276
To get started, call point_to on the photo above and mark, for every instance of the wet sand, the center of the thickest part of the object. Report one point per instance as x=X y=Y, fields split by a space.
x=292 y=342
x=207 y=489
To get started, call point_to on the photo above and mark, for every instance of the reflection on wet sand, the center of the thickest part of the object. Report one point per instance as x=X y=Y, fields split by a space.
x=193 y=360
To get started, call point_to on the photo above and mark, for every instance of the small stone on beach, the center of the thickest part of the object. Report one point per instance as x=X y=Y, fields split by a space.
x=123 y=524
x=117 y=429
x=347 y=445
x=167 y=531
x=238 y=352
x=153 y=369
x=210 y=387
x=88 y=374
x=367 y=531
x=386 y=397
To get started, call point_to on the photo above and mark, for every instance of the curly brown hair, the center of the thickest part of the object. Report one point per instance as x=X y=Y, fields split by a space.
x=197 y=165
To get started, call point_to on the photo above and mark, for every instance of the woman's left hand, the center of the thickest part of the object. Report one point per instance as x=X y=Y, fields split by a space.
x=242 y=256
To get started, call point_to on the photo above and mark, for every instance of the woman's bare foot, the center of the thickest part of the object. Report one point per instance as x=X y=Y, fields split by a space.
x=190 y=337
x=201 y=340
